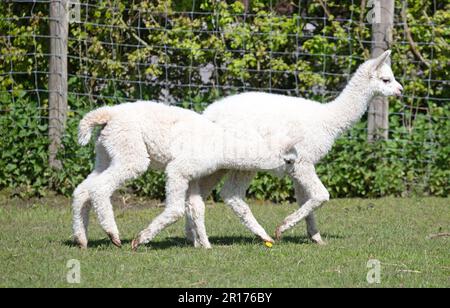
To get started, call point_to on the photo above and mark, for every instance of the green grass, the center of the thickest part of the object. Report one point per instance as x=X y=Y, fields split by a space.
x=35 y=247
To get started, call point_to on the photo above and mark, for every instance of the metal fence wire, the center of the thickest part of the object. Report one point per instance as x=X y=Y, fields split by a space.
x=189 y=53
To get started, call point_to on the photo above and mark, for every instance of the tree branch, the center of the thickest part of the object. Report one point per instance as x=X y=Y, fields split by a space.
x=246 y=4
x=325 y=8
x=412 y=44
x=133 y=33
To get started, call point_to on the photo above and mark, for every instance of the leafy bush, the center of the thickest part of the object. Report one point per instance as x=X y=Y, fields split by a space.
x=409 y=163
x=305 y=58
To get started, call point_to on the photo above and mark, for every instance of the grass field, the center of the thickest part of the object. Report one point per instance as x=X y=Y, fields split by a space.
x=35 y=247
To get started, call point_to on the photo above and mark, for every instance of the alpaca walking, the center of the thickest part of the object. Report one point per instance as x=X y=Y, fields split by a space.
x=315 y=125
x=136 y=136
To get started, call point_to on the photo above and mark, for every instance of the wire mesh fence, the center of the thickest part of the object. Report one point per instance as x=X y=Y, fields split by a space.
x=190 y=53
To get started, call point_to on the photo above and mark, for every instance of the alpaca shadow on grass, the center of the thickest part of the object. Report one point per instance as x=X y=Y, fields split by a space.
x=218 y=241
x=106 y=243
x=297 y=239
x=99 y=243
x=303 y=239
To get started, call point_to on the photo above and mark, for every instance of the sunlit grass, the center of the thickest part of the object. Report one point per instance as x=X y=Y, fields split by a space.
x=35 y=247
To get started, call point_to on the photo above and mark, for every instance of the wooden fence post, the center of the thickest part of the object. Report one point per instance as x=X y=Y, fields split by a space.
x=382 y=25
x=57 y=84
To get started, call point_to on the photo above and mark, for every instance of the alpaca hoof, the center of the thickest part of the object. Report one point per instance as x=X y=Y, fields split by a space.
x=115 y=240
x=316 y=238
x=201 y=244
x=135 y=244
x=82 y=244
x=205 y=246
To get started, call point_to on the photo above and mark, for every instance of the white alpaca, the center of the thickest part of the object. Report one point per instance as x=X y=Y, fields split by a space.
x=186 y=145
x=317 y=124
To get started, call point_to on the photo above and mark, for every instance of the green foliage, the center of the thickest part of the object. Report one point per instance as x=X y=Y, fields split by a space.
x=23 y=155
x=409 y=163
x=243 y=52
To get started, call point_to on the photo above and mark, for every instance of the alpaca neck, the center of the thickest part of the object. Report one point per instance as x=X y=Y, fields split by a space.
x=349 y=106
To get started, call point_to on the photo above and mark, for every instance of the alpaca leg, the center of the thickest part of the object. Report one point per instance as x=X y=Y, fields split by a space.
x=206 y=186
x=315 y=192
x=313 y=231
x=80 y=212
x=129 y=160
x=101 y=189
x=189 y=228
x=195 y=209
x=233 y=193
x=176 y=189
x=81 y=204
x=311 y=226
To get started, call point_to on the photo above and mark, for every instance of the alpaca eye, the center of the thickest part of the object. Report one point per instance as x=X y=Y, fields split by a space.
x=386 y=80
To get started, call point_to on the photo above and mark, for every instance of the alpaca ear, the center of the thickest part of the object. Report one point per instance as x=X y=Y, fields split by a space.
x=383 y=58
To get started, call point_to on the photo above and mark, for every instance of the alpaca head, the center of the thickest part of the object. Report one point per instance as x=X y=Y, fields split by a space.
x=381 y=78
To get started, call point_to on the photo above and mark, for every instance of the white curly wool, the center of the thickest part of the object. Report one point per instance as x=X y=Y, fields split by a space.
x=314 y=125
x=186 y=145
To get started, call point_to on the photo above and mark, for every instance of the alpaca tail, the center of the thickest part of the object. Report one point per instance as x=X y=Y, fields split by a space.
x=99 y=116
